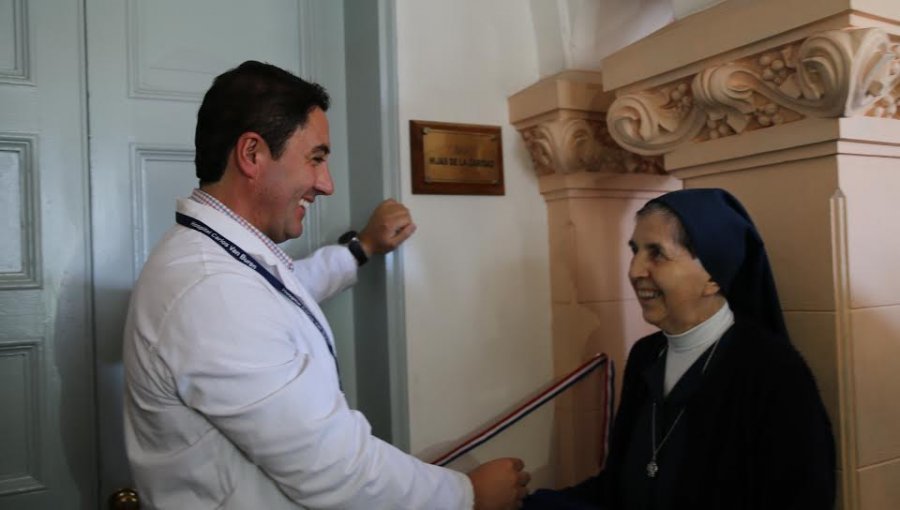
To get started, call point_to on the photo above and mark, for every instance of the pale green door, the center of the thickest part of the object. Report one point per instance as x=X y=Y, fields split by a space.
x=83 y=201
x=46 y=380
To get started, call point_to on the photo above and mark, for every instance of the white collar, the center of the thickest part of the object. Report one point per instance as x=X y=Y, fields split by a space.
x=704 y=334
x=231 y=229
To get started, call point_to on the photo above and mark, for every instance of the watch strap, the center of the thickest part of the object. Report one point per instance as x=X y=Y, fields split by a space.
x=350 y=239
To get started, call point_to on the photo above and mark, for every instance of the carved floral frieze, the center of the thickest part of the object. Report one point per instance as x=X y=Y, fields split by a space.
x=838 y=73
x=572 y=145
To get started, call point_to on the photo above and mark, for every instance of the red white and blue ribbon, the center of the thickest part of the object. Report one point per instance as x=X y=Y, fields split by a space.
x=538 y=401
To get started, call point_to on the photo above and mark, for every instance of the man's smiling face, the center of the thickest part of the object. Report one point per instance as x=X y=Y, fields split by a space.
x=293 y=181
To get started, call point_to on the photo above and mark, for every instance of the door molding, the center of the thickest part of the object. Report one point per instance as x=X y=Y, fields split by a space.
x=373 y=133
x=24 y=146
x=396 y=300
x=20 y=72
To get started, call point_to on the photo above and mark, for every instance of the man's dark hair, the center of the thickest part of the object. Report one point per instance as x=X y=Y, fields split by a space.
x=256 y=97
x=681 y=235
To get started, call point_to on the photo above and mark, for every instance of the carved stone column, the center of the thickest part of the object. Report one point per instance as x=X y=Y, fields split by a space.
x=592 y=189
x=793 y=107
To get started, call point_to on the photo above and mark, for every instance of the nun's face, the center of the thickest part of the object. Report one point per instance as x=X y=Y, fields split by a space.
x=672 y=287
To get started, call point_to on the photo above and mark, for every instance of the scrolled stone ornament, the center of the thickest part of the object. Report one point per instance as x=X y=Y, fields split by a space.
x=539 y=142
x=838 y=73
x=581 y=148
x=647 y=123
x=726 y=92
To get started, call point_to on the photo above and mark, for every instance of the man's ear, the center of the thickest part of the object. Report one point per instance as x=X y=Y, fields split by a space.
x=711 y=288
x=250 y=152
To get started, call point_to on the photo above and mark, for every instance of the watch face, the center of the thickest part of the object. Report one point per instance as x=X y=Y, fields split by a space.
x=346 y=237
x=358 y=253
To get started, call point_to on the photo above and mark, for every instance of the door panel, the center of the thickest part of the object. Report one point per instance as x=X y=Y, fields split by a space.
x=160 y=175
x=46 y=390
x=149 y=63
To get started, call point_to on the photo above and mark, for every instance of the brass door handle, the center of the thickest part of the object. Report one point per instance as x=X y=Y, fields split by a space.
x=124 y=499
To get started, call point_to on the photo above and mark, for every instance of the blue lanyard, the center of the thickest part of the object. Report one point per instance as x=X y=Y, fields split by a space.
x=248 y=260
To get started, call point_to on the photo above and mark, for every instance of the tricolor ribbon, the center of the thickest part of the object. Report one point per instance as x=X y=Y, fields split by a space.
x=536 y=402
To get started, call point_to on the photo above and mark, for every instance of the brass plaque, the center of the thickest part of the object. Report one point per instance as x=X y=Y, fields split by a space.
x=456 y=158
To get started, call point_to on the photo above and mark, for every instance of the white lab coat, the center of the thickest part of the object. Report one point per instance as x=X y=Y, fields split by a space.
x=231 y=395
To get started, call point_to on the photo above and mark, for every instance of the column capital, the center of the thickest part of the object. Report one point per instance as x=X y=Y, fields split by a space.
x=834 y=73
x=562 y=121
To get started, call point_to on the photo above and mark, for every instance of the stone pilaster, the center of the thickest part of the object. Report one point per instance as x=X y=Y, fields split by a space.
x=592 y=189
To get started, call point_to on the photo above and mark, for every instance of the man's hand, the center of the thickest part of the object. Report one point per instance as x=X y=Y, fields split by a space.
x=389 y=225
x=499 y=484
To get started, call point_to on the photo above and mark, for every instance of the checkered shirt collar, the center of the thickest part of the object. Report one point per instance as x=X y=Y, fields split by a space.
x=205 y=198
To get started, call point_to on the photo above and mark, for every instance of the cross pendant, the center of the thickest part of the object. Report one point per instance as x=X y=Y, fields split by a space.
x=652 y=468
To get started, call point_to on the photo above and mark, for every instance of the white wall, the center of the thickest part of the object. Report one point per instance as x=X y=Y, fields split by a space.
x=579 y=34
x=477 y=271
x=684 y=8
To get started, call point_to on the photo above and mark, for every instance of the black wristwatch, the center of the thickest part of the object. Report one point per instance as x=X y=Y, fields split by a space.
x=351 y=241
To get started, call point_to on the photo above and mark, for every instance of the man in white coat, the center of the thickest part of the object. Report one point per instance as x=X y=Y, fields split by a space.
x=232 y=395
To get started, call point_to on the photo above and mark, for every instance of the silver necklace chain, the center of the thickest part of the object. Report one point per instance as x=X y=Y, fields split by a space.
x=652 y=466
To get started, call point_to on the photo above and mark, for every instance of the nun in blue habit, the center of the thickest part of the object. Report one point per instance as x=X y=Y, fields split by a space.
x=718 y=410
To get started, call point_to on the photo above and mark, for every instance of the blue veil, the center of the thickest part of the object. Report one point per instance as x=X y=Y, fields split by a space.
x=729 y=247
